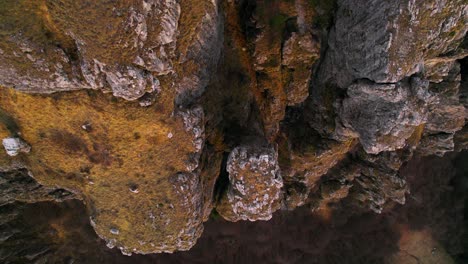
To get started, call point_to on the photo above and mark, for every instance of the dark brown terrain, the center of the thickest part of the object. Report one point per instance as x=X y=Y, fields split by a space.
x=431 y=228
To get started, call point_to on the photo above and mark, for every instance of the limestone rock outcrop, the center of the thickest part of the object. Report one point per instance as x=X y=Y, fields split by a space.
x=14 y=145
x=18 y=185
x=383 y=116
x=159 y=114
x=386 y=41
x=134 y=49
x=254 y=190
x=389 y=77
x=446 y=114
x=152 y=52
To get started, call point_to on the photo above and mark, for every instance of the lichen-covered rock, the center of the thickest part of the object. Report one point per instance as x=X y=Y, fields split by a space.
x=383 y=116
x=446 y=114
x=305 y=159
x=284 y=48
x=254 y=191
x=299 y=54
x=194 y=124
x=198 y=50
x=384 y=44
x=379 y=181
x=119 y=160
x=390 y=78
x=437 y=144
x=160 y=113
x=117 y=156
x=387 y=41
x=369 y=181
x=135 y=48
x=188 y=190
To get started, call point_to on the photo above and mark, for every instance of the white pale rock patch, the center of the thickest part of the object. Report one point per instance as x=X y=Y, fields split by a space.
x=14 y=146
x=193 y=119
x=114 y=231
x=255 y=183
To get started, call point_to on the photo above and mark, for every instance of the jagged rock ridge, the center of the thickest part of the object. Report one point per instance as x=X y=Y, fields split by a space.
x=156 y=113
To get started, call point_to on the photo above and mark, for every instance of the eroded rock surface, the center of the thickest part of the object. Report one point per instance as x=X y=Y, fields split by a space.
x=388 y=41
x=255 y=182
x=14 y=145
x=159 y=52
x=18 y=185
x=383 y=116
x=158 y=114
x=134 y=48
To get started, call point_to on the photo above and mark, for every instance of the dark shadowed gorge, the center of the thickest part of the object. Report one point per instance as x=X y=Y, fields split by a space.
x=234 y=131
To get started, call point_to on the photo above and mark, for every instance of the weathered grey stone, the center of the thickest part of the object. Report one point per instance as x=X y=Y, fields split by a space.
x=380 y=181
x=389 y=80
x=189 y=191
x=386 y=41
x=198 y=62
x=446 y=114
x=14 y=145
x=382 y=116
x=254 y=191
x=445 y=118
x=436 y=144
x=194 y=122
x=370 y=181
x=299 y=53
x=143 y=35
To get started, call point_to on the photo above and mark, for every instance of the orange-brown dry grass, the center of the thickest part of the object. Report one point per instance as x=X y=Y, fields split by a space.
x=123 y=146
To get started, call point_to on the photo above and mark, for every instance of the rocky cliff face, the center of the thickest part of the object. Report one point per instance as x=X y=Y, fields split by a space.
x=157 y=114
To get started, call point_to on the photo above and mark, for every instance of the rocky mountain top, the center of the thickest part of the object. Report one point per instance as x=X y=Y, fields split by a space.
x=159 y=114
